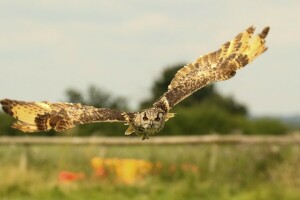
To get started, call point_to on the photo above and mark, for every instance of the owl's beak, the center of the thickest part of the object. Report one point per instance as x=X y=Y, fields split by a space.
x=151 y=124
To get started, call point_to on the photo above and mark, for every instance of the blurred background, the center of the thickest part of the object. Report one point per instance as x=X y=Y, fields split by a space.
x=123 y=54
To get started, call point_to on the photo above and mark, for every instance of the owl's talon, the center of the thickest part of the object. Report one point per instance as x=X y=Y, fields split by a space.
x=145 y=137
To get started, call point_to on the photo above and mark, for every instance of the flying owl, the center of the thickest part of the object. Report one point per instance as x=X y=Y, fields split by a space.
x=219 y=65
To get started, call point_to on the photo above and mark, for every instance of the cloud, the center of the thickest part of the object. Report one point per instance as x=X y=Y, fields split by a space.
x=145 y=23
x=32 y=37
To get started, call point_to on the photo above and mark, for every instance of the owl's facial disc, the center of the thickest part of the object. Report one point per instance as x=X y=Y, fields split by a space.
x=150 y=121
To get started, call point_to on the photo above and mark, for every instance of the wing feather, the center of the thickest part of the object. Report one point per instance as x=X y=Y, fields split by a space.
x=43 y=116
x=216 y=66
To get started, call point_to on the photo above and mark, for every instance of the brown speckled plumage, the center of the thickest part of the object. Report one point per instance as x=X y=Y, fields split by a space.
x=216 y=66
x=43 y=116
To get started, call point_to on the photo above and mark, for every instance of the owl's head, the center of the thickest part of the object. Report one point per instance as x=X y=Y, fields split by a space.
x=150 y=120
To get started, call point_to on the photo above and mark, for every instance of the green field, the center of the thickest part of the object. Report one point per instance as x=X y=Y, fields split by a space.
x=233 y=172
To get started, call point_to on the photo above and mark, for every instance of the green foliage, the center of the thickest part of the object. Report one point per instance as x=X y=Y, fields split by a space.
x=269 y=126
x=100 y=129
x=74 y=96
x=201 y=119
x=96 y=97
x=206 y=118
x=5 y=125
x=225 y=172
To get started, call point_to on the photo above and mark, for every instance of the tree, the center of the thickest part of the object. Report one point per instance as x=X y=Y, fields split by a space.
x=96 y=97
x=74 y=96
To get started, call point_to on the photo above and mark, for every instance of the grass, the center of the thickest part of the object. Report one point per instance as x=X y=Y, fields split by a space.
x=233 y=172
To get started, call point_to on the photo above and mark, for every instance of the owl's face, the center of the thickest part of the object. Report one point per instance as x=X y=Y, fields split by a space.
x=149 y=121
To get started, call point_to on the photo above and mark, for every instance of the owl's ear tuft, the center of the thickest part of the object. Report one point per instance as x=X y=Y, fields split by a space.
x=130 y=130
x=169 y=115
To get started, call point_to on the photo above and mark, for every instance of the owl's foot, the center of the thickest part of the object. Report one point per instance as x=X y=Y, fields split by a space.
x=145 y=136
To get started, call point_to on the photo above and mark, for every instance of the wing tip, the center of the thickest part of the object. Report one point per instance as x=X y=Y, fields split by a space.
x=7 y=105
x=250 y=29
x=264 y=32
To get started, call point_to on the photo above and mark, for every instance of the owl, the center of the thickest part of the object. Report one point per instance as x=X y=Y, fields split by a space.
x=216 y=66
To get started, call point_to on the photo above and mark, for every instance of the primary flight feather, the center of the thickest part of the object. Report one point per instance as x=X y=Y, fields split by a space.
x=212 y=67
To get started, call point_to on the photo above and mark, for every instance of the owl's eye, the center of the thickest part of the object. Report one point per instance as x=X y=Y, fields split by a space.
x=145 y=118
x=158 y=118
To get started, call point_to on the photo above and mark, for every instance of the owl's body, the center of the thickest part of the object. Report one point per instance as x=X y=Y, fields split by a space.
x=147 y=122
x=216 y=66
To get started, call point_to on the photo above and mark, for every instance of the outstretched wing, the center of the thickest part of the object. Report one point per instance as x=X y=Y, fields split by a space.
x=216 y=66
x=43 y=116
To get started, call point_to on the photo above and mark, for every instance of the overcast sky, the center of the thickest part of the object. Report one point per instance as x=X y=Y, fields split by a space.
x=47 y=46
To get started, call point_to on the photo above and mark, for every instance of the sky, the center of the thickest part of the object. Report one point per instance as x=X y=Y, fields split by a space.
x=48 y=46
